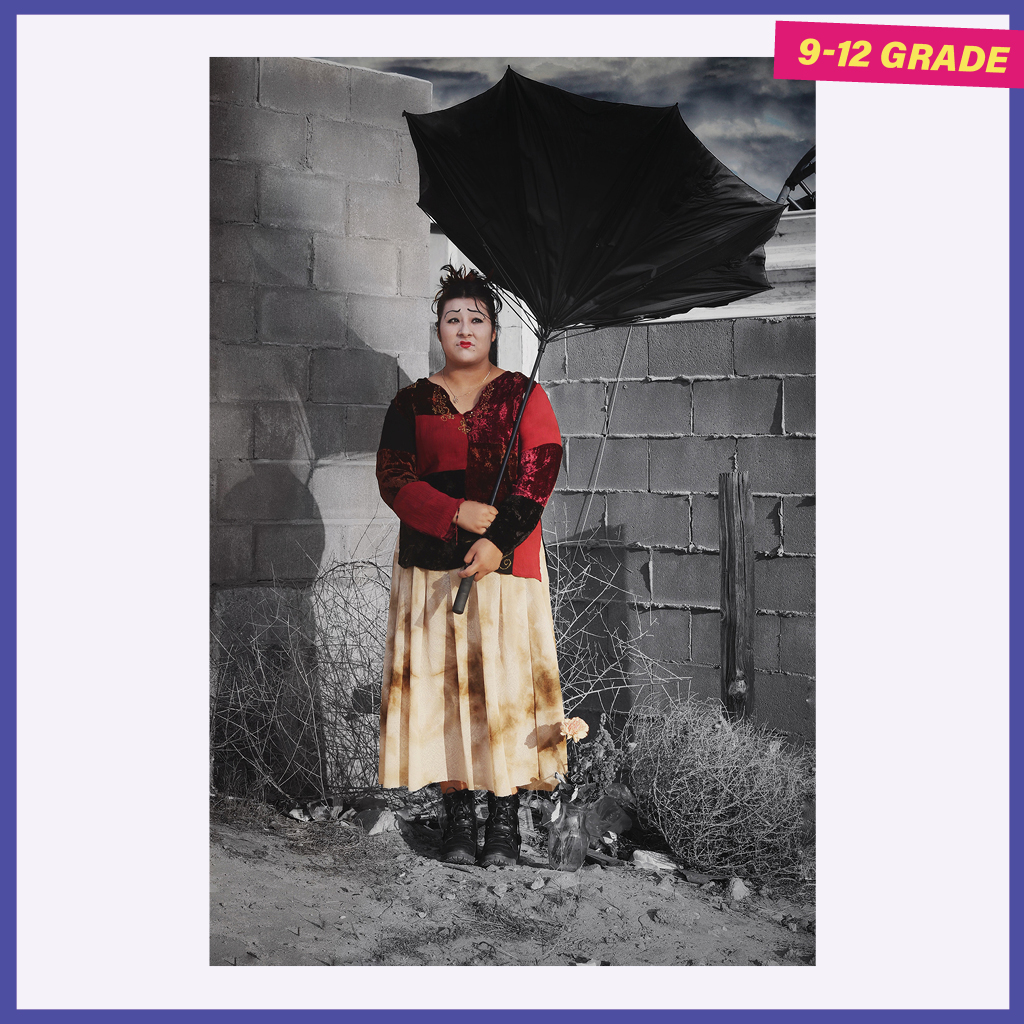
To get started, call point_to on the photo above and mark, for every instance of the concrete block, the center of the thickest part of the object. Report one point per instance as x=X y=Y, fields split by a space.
x=388 y=324
x=552 y=365
x=231 y=431
x=385 y=211
x=696 y=348
x=561 y=481
x=301 y=199
x=598 y=354
x=288 y=552
x=784 y=584
x=564 y=516
x=651 y=519
x=233 y=80
x=693 y=681
x=364 y=265
x=690 y=463
x=798 y=515
x=363 y=425
x=592 y=576
x=408 y=162
x=798 y=644
x=305 y=87
x=259 y=255
x=579 y=408
x=737 y=406
x=778 y=465
x=230 y=554
x=373 y=541
x=232 y=313
x=435 y=354
x=785 y=703
x=329 y=430
x=414 y=269
x=352 y=376
x=706 y=637
x=785 y=345
x=767 y=524
x=668 y=635
x=354 y=151
x=264 y=492
x=232 y=192
x=254 y=373
x=295 y=316
x=230 y=260
x=510 y=347
x=798 y=405
x=379 y=97
x=766 y=642
x=626 y=576
x=283 y=431
x=651 y=408
x=623 y=463
x=412 y=366
x=686 y=579
x=704 y=521
x=257 y=136
x=345 y=489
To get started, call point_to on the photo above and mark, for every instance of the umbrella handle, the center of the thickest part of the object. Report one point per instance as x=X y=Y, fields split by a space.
x=463 y=595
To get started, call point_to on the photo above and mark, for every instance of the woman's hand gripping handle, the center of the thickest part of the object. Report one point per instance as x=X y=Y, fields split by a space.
x=483 y=557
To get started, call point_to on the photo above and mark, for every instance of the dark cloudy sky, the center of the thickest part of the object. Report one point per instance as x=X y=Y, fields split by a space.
x=758 y=126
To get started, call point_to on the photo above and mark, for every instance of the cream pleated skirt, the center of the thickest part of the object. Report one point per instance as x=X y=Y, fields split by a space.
x=472 y=697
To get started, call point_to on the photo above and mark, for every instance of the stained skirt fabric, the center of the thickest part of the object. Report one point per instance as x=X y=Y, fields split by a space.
x=472 y=697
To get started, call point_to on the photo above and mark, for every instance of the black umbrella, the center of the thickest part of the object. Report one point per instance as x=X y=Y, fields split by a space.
x=588 y=213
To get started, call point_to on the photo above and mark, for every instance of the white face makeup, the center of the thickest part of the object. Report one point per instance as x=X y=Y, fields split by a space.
x=465 y=332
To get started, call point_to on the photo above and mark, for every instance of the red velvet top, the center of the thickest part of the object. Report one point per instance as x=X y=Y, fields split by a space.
x=432 y=458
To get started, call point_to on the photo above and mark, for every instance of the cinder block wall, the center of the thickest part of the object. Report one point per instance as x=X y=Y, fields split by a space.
x=319 y=270
x=695 y=398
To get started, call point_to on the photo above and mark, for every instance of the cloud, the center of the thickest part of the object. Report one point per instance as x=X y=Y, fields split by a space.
x=757 y=125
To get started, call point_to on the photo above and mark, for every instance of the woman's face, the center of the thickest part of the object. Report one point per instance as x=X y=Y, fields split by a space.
x=466 y=332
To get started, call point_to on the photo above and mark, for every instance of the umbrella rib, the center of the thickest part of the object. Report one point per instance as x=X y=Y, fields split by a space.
x=595 y=472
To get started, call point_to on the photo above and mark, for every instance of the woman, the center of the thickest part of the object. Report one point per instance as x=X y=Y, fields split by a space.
x=470 y=701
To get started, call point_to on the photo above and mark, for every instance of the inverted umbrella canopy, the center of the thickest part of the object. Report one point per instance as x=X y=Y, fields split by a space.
x=591 y=213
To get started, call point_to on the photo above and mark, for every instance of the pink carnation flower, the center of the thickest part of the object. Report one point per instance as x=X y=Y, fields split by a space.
x=574 y=729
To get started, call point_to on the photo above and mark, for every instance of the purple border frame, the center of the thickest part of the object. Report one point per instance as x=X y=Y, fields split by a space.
x=788 y=9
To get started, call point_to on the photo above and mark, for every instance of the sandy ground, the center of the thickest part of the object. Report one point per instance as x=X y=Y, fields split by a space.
x=285 y=892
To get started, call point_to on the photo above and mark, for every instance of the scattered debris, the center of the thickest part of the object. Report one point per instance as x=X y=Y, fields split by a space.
x=737 y=890
x=699 y=878
x=650 y=861
x=376 y=820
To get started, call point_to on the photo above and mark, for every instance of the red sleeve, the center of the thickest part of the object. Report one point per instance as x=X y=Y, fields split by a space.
x=426 y=509
x=414 y=501
x=540 y=449
x=539 y=425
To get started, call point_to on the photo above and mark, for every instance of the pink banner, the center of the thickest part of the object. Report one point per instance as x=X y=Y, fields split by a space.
x=922 y=55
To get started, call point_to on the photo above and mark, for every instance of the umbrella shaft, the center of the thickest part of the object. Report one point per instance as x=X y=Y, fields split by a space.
x=466 y=585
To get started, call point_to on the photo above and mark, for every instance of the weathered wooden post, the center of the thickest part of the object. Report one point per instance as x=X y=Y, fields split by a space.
x=736 y=544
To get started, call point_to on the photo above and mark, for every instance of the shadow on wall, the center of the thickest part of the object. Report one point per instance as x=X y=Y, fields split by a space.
x=311 y=460
x=310 y=451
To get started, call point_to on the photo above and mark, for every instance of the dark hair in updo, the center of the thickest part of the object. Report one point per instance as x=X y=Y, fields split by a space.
x=465 y=284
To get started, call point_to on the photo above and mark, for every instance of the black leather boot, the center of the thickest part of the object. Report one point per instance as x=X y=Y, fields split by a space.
x=458 y=838
x=501 y=839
